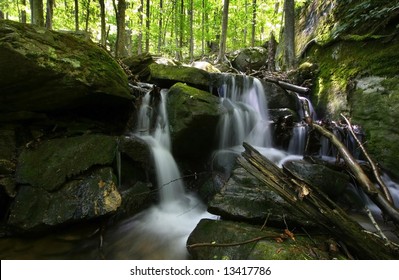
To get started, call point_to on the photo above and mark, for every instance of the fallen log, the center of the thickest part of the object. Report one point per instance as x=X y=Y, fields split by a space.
x=364 y=182
x=374 y=168
x=317 y=206
x=288 y=86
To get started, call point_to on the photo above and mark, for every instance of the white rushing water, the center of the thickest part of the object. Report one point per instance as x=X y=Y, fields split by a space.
x=161 y=231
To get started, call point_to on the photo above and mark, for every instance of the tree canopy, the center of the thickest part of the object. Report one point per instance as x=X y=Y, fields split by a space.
x=176 y=28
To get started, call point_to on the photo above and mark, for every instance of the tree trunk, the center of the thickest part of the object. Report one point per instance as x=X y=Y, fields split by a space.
x=87 y=16
x=49 y=14
x=271 y=63
x=160 y=33
x=103 y=40
x=317 y=206
x=191 y=19
x=76 y=15
x=23 y=11
x=253 y=23
x=120 y=10
x=225 y=18
x=289 y=34
x=147 y=26
x=37 y=12
x=141 y=24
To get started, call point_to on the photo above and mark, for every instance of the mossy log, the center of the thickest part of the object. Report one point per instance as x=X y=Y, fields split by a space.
x=318 y=207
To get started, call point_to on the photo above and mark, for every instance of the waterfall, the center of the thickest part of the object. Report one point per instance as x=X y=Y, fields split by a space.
x=170 y=186
x=161 y=231
x=246 y=117
x=298 y=140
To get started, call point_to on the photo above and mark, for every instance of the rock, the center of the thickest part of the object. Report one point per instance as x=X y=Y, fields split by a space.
x=245 y=198
x=193 y=119
x=92 y=196
x=52 y=162
x=250 y=59
x=7 y=149
x=379 y=121
x=47 y=71
x=136 y=149
x=337 y=185
x=272 y=247
x=166 y=76
x=139 y=65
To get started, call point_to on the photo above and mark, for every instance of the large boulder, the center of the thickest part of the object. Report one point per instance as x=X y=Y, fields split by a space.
x=47 y=71
x=193 y=117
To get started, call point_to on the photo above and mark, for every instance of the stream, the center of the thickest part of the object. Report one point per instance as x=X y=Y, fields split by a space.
x=161 y=231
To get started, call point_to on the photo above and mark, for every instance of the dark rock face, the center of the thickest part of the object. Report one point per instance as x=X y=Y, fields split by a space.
x=92 y=196
x=47 y=71
x=53 y=162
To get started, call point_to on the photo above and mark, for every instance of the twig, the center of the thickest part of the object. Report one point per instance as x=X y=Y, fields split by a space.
x=213 y=244
x=375 y=224
x=264 y=224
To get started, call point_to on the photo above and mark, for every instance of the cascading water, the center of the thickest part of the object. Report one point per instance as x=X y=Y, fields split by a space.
x=298 y=140
x=161 y=231
x=247 y=116
x=246 y=120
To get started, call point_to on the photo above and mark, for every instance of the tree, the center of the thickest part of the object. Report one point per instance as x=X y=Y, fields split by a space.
x=37 y=12
x=49 y=14
x=191 y=23
x=289 y=34
x=141 y=21
x=103 y=40
x=225 y=18
x=120 y=11
x=23 y=11
x=76 y=15
x=253 y=23
x=147 y=26
x=160 y=23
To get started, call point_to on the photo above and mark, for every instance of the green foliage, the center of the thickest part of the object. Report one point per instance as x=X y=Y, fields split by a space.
x=206 y=22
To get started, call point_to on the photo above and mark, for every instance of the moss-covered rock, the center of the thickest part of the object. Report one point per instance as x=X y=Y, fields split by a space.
x=271 y=247
x=193 y=117
x=167 y=75
x=250 y=58
x=92 y=196
x=375 y=105
x=47 y=71
x=51 y=163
